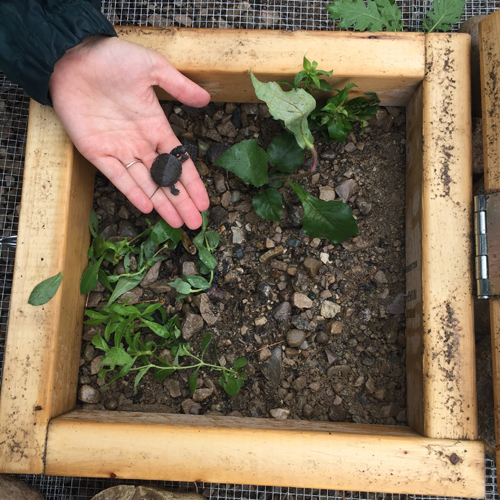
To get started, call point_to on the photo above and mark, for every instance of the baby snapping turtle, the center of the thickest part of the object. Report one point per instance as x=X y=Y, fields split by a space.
x=167 y=168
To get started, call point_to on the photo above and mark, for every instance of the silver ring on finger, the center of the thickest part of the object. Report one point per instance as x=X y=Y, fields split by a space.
x=132 y=163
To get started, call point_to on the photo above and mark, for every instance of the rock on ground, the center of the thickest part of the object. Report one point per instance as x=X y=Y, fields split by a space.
x=14 y=489
x=130 y=492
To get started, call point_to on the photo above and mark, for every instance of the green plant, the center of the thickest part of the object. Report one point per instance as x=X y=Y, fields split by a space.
x=375 y=15
x=127 y=324
x=143 y=246
x=206 y=242
x=299 y=114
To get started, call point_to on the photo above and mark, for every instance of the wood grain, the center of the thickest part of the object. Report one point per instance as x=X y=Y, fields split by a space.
x=440 y=336
x=391 y=64
x=262 y=451
x=43 y=342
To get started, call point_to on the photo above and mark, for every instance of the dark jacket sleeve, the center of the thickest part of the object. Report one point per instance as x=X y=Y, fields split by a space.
x=35 y=34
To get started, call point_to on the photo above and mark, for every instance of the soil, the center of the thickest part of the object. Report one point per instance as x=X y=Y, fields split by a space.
x=349 y=366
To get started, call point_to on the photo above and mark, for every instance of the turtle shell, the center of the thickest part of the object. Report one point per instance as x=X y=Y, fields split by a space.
x=166 y=170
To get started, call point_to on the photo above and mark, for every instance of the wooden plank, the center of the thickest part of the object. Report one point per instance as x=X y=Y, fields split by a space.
x=43 y=343
x=440 y=343
x=263 y=452
x=489 y=50
x=391 y=64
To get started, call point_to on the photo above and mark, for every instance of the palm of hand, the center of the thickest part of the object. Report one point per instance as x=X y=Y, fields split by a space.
x=104 y=97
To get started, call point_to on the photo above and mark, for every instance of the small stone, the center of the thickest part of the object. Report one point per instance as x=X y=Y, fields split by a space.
x=271 y=254
x=94 y=299
x=401 y=416
x=87 y=394
x=293 y=242
x=301 y=323
x=216 y=150
x=202 y=394
x=380 y=277
x=151 y=275
x=307 y=411
x=330 y=309
x=330 y=357
x=398 y=305
x=270 y=243
x=219 y=183
x=359 y=381
x=264 y=354
x=338 y=370
x=160 y=286
x=250 y=108
x=312 y=265
x=227 y=129
x=110 y=403
x=365 y=206
x=280 y=413
x=133 y=295
x=338 y=400
x=127 y=229
x=315 y=386
x=260 y=321
x=88 y=354
x=123 y=213
x=173 y=387
x=107 y=205
x=299 y=383
x=192 y=325
x=283 y=311
x=189 y=406
x=235 y=196
x=225 y=199
x=238 y=235
x=347 y=189
x=370 y=386
x=328 y=155
x=219 y=215
x=350 y=147
x=14 y=489
x=238 y=252
x=301 y=301
x=294 y=338
x=321 y=338
x=326 y=193
x=338 y=414
x=390 y=410
x=264 y=290
x=189 y=268
x=379 y=394
x=95 y=365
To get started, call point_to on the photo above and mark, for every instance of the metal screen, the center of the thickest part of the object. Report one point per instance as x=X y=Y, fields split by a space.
x=251 y=14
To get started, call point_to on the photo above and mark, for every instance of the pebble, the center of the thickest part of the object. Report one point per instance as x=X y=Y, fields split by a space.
x=219 y=183
x=294 y=338
x=365 y=206
x=264 y=354
x=227 y=129
x=301 y=323
x=127 y=229
x=238 y=252
x=219 y=215
x=338 y=414
x=110 y=403
x=350 y=147
x=272 y=369
x=133 y=295
x=95 y=365
x=87 y=394
x=260 y=321
x=151 y=275
x=271 y=254
x=94 y=299
x=192 y=325
x=326 y=193
x=264 y=290
x=330 y=309
x=321 y=338
x=337 y=370
x=328 y=155
x=301 y=301
x=347 y=189
x=380 y=277
x=160 y=286
x=307 y=411
x=189 y=406
x=250 y=108
x=390 y=410
x=312 y=265
x=88 y=354
x=299 y=383
x=293 y=242
x=173 y=387
x=282 y=312
x=238 y=235
x=280 y=413
x=215 y=151
x=235 y=196
x=12 y=488
x=189 y=268
x=202 y=394
x=398 y=305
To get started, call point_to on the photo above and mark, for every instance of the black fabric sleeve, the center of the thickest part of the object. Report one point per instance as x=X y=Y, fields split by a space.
x=35 y=34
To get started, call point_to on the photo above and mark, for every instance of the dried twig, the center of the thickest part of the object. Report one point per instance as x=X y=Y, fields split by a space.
x=270 y=345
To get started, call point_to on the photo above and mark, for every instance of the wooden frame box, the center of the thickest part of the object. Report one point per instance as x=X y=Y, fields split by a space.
x=438 y=453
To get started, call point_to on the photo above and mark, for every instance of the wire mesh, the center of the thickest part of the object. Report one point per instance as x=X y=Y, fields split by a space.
x=253 y=14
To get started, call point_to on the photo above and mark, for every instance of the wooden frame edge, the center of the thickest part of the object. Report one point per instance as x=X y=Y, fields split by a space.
x=264 y=452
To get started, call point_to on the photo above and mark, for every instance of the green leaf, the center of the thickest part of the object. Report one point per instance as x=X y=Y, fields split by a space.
x=268 y=204
x=193 y=381
x=124 y=285
x=339 y=127
x=100 y=343
x=149 y=248
x=293 y=107
x=284 y=153
x=247 y=160
x=101 y=246
x=444 y=14
x=161 y=374
x=240 y=363
x=90 y=277
x=207 y=258
x=372 y=16
x=326 y=219
x=162 y=232
x=140 y=374
x=161 y=331
x=181 y=286
x=232 y=385
x=213 y=239
x=93 y=224
x=103 y=278
x=197 y=282
x=45 y=290
x=205 y=343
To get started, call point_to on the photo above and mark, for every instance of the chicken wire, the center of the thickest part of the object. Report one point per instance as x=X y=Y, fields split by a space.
x=14 y=104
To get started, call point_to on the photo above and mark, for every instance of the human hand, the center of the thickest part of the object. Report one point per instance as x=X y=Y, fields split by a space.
x=102 y=91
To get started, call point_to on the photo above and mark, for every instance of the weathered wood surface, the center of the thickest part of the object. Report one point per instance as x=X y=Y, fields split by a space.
x=43 y=343
x=489 y=48
x=263 y=451
x=440 y=334
x=391 y=64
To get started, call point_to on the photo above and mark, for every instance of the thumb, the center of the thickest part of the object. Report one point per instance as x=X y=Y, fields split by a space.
x=177 y=85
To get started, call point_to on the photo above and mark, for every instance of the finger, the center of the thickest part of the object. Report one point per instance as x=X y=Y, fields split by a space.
x=116 y=172
x=177 y=85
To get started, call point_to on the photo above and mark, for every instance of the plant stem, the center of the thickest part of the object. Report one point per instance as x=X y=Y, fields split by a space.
x=289 y=177
x=315 y=158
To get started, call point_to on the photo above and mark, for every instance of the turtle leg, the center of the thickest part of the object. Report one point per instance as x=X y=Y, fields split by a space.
x=174 y=191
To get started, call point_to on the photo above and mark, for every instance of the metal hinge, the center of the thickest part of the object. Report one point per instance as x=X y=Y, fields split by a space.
x=487 y=235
